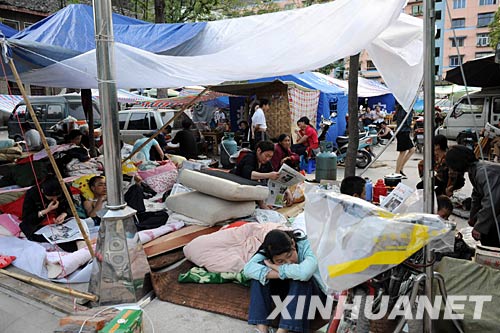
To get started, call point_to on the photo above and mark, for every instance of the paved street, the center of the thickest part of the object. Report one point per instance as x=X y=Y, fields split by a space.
x=17 y=316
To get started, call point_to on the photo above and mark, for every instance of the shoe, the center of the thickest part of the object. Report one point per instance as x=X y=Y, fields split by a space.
x=403 y=174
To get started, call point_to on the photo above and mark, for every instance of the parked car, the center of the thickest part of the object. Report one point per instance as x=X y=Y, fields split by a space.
x=135 y=122
x=49 y=110
x=484 y=107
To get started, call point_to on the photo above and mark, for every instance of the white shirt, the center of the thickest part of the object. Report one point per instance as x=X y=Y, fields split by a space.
x=259 y=118
x=33 y=139
x=219 y=116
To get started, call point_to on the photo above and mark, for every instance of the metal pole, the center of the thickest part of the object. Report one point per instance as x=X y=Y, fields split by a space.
x=120 y=268
x=429 y=77
x=109 y=101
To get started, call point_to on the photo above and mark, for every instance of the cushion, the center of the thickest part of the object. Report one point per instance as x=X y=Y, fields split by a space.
x=6 y=260
x=82 y=184
x=222 y=188
x=162 y=182
x=9 y=225
x=207 y=208
x=145 y=174
x=14 y=208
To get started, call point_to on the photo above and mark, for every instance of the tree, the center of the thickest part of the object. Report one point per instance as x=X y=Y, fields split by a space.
x=495 y=30
x=352 y=125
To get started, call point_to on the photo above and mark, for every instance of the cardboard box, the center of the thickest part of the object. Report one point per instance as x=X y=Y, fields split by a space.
x=127 y=321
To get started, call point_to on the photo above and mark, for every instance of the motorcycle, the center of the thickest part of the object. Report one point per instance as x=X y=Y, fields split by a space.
x=418 y=137
x=366 y=140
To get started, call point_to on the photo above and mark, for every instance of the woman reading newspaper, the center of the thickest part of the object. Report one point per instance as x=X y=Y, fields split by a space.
x=256 y=165
x=45 y=205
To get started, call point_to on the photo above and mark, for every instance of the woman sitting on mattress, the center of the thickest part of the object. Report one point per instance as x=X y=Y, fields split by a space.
x=257 y=166
x=42 y=206
x=285 y=265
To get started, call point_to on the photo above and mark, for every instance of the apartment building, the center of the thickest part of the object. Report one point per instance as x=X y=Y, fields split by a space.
x=465 y=27
x=466 y=34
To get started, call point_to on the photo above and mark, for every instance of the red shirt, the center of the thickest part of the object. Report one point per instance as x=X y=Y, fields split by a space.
x=312 y=138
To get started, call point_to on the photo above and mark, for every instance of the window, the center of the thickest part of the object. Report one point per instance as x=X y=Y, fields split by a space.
x=483 y=39
x=483 y=54
x=458 y=4
x=12 y=23
x=55 y=111
x=476 y=106
x=436 y=70
x=438 y=33
x=438 y=15
x=484 y=19
x=417 y=10
x=496 y=106
x=152 y=121
x=27 y=24
x=122 y=119
x=437 y=50
x=39 y=109
x=455 y=61
x=458 y=23
x=20 y=112
x=487 y=2
x=459 y=41
x=370 y=66
x=138 y=121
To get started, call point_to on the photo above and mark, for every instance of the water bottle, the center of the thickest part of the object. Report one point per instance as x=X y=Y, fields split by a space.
x=368 y=190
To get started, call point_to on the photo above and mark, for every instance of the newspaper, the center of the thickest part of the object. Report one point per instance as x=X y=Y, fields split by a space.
x=62 y=233
x=277 y=188
x=396 y=197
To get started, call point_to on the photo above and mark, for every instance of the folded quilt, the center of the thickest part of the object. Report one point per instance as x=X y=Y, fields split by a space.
x=201 y=275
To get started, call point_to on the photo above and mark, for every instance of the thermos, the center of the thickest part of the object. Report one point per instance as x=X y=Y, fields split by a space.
x=368 y=190
x=378 y=190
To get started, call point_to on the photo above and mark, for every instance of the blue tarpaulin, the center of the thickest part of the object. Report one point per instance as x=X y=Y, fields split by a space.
x=7 y=31
x=331 y=98
x=73 y=28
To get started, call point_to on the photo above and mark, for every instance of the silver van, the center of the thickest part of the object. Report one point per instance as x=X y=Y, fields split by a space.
x=135 y=122
x=484 y=107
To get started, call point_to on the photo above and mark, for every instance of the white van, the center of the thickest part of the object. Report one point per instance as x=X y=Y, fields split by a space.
x=484 y=107
x=137 y=121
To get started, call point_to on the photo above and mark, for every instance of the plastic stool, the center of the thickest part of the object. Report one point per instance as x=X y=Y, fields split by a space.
x=309 y=166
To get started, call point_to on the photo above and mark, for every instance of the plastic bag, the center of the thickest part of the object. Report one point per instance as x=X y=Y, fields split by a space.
x=354 y=240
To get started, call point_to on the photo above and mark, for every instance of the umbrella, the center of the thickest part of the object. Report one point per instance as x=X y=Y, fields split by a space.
x=481 y=72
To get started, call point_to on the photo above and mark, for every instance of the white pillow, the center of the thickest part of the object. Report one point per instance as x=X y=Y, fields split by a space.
x=207 y=208
x=222 y=188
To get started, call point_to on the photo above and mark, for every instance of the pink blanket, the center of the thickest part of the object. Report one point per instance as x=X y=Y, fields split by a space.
x=230 y=249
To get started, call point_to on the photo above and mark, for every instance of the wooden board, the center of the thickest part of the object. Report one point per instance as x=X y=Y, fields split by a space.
x=176 y=239
x=47 y=297
x=293 y=210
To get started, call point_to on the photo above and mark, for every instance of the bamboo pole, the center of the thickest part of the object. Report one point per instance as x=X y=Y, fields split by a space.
x=165 y=125
x=49 y=285
x=51 y=158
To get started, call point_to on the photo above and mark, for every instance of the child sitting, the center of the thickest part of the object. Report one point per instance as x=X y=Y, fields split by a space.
x=353 y=186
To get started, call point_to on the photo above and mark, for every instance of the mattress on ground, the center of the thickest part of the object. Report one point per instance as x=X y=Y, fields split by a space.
x=227 y=189
x=207 y=208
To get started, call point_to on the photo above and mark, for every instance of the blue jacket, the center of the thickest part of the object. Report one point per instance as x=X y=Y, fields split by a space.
x=303 y=271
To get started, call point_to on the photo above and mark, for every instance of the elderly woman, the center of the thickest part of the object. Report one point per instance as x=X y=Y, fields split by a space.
x=283 y=154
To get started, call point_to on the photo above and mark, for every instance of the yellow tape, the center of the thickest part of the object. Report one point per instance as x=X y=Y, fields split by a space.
x=419 y=237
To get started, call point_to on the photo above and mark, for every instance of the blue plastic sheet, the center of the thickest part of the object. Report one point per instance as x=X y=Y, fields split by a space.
x=73 y=28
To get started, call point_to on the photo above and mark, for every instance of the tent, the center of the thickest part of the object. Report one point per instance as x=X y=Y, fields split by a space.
x=289 y=101
x=181 y=100
x=230 y=50
x=331 y=99
x=123 y=96
x=7 y=31
x=333 y=96
x=9 y=102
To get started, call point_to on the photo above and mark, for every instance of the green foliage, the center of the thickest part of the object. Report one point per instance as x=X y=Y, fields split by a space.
x=495 y=30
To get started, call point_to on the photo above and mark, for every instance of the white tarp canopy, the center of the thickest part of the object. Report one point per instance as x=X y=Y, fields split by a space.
x=366 y=87
x=267 y=45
